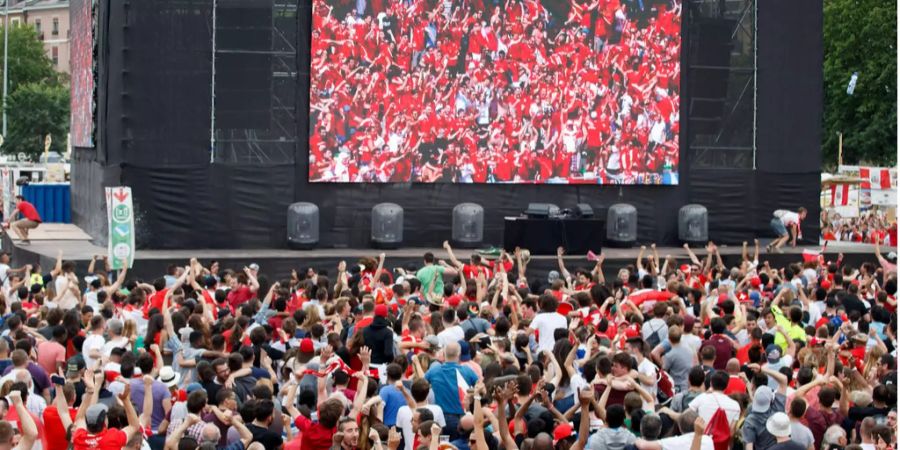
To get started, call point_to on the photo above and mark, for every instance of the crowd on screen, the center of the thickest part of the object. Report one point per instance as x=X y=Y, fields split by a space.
x=495 y=91
x=873 y=227
x=670 y=352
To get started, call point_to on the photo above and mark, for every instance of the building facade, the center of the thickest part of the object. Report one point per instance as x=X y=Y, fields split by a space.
x=50 y=18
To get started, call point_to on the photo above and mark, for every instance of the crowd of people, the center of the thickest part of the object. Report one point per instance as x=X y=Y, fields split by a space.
x=477 y=355
x=872 y=227
x=499 y=91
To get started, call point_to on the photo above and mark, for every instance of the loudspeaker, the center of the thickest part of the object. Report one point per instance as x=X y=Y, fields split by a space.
x=583 y=210
x=693 y=224
x=621 y=225
x=541 y=210
x=303 y=225
x=387 y=225
x=468 y=225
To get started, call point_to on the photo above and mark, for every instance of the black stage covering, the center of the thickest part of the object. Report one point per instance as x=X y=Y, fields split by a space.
x=154 y=116
x=544 y=236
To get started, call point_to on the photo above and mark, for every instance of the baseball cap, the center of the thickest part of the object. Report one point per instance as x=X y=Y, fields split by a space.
x=381 y=310
x=465 y=353
x=253 y=266
x=95 y=415
x=762 y=399
x=773 y=353
x=307 y=351
x=564 y=308
x=74 y=364
x=755 y=282
x=193 y=387
x=563 y=431
x=552 y=276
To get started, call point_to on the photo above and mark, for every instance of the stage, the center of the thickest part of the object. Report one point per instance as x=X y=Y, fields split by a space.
x=49 y=238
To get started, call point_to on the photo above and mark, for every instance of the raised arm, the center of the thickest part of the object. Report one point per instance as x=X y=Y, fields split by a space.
x=584 y=427
x=29 y=428
x=455 y=262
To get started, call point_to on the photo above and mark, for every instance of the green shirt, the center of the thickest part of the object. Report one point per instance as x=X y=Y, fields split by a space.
x=796 y=332
x=425 y=275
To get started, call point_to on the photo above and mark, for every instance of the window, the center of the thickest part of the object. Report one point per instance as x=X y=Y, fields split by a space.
x=37 y=27
x=55 y=55
x=15 y=22
x=55 y=26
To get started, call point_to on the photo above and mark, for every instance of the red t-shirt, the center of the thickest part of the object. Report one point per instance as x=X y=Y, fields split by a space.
x=239 y=296
x=28 y=211
x=314 y=436
x=155 y=301
x=53 y=428
x=107 y=439
x=735 y=385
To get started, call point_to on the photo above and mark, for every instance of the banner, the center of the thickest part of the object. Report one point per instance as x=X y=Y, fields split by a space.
x=120 y=217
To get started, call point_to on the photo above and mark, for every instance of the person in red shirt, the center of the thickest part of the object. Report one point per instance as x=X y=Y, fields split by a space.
x=53 y=427
x=30 y=219
x=317 y=435
x=27 y=425
x=91 y=431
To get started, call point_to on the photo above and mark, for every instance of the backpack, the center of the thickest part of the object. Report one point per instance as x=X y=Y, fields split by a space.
x=719 y=429
x=653 y=340
x=665 y=388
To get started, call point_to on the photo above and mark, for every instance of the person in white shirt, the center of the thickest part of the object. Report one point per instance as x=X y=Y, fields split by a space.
x=67 y=297
x=786 y=225
x=419 y=391
x=116 y=340
x=92 y=349
x=708 y=403
x=452 y=331
x=546 y=322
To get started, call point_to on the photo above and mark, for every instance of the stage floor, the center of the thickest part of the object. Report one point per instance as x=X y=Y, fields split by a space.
x=76 y=245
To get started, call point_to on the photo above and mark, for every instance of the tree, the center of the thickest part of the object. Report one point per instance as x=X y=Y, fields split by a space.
x=35 y=110
x=859 y=36
x=38 y=99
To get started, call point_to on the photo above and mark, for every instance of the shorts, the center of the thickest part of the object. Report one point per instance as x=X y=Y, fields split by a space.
x=779 y=227
x=26 y=223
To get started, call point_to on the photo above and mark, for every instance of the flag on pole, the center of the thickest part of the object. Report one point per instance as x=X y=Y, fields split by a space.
x=840 y=193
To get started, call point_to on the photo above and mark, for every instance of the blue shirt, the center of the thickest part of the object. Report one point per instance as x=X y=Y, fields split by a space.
x=393 y=400
x=446 y=390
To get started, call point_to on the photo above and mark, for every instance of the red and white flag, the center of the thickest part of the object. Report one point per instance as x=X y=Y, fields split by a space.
x=840 y=193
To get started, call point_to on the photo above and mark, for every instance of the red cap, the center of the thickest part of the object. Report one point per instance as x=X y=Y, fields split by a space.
x=564 y=308
x=381 y=310
x=825 y=284
x=755 y=282
x=631 y=333
x=306 y=346
x=454 y=300
x=562 y=431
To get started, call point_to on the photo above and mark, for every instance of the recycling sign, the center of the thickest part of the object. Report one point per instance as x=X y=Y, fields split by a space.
x=120 y=218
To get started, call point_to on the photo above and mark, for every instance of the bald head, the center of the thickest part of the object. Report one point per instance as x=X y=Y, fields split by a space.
x=467 y=422
x=451 y=353
x=733 y=366
x=543 y=441
x=210 y=433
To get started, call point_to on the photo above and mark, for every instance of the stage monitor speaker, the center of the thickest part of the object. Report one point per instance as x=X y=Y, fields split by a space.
x=621 y=225
x=584 y=211
x=468 y=225
x=541 y=210
x=693 y=228
x=387 y=225
x=303 y=225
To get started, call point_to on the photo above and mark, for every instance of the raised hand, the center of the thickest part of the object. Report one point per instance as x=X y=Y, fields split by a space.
x=393 y=438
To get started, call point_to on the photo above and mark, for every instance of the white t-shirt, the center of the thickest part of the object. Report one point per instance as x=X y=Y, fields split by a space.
x=452 y=334
x=404 y=419
x=68 y=300
x=91 y=342
x=684 y=441
x=789 y=218
x=692 y=341
x=545 y=323
x=707 y=403
x=90 y=299
x=4 y=274
x=119 y=342
x=646 y=367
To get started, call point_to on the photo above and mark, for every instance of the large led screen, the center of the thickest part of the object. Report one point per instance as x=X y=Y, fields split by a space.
x=495 y=91
x=82 y=67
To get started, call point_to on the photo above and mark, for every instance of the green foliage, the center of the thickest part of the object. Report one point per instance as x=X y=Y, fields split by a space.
x=38 y=99
x=35 y=110
x=859 y=36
